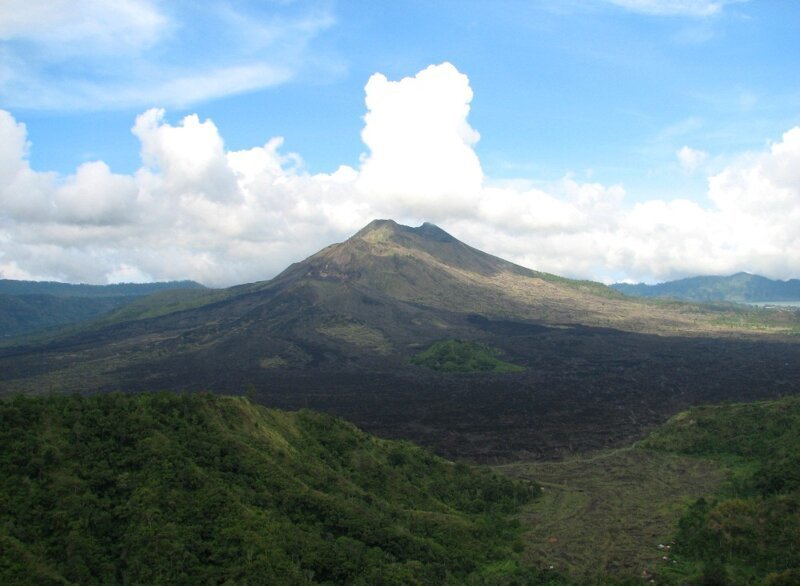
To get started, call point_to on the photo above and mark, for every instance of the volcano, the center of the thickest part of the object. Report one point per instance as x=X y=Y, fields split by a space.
x=339 y=332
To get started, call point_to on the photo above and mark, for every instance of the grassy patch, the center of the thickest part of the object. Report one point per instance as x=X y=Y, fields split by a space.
x=162 y=303
x=359 y=335
x=273 y=362
x=757 y=318
x=607 y=514
x=719 y=485
x=460 y=356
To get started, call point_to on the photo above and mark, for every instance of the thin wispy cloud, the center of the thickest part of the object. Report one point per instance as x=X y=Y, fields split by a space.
x=80 y=26
x=88 y=54
x=690 y=8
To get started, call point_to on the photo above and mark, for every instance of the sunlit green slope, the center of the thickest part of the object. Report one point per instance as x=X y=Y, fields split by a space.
x=196 y=489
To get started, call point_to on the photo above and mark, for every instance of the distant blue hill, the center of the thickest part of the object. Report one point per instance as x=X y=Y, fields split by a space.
x=738 y=288
x=12 y=287
x=28 y=307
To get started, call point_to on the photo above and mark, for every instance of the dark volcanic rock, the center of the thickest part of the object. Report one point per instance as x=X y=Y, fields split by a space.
x=336 y=332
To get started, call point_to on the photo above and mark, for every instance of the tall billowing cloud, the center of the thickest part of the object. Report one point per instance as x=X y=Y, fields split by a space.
x=195 y=209
x=189 y=160
x=421 y=157
x=23 y=193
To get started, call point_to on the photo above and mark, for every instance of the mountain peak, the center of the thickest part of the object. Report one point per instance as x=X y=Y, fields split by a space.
x=378 y=225
x=388 y=255
x=379 y=228
x=433 y=232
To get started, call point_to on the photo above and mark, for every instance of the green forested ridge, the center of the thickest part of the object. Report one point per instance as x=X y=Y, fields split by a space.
x=460 y=356
x=164 y=488
x=750 y=533
x=160 y=303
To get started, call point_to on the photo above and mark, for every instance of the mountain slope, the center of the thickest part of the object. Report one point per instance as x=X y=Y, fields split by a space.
x=25 y=314
x=586 y=366
x=738 y=288
x=152 y=489
x=428 y=267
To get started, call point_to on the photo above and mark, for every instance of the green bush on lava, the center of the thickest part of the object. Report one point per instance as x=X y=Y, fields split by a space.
x=460 y=356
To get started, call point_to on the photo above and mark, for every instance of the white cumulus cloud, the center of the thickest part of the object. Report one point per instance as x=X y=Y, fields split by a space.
x=195 y=209
x=421 y=158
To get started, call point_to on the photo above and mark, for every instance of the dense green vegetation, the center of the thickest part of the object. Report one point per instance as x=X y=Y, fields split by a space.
x=460 y=356
x=749 y=533
x=583 y=285
x=197 y=489
x=741 y=287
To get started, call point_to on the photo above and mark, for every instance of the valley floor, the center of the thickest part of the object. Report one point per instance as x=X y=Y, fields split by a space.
x=611 y=513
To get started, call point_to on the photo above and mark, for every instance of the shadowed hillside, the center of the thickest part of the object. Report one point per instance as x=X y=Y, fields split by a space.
x=27 y=307
x=56 y=289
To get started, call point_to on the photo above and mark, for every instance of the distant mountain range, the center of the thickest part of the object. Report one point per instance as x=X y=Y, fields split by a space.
x=56 y=289
x=738 y=288
x=32 y=306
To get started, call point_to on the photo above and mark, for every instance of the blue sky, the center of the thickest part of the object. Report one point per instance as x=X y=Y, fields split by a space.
x=636 y=136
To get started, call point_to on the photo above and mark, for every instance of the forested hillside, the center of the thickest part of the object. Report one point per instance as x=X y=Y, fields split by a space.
x=164 y=488
x=749 y=533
